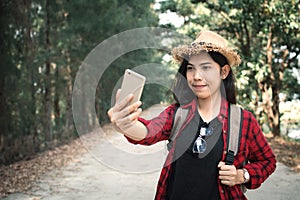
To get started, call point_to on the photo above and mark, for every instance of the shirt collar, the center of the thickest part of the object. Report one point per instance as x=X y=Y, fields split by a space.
x=223 y=110
x=192 y=105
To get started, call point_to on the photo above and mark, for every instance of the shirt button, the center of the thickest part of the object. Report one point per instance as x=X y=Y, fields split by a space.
x=225 y=132
x=222 y=191
x=224 y=151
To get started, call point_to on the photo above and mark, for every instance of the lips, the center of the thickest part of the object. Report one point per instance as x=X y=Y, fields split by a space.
x=199 y=87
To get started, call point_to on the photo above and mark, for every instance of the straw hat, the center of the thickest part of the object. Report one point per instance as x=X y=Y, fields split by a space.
x=207 y=41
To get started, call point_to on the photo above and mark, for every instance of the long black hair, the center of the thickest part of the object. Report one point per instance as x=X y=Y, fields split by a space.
x=182 y=93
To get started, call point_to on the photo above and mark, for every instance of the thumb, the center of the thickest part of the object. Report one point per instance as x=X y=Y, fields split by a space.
x=221 y=164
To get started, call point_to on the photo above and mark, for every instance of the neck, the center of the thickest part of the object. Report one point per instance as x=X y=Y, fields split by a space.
x=209 y=108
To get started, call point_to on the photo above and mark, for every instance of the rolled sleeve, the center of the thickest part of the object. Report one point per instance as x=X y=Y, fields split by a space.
x=158 y=128
x=262 y=161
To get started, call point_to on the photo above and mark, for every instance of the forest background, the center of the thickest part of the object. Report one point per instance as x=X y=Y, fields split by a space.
x=43 y=44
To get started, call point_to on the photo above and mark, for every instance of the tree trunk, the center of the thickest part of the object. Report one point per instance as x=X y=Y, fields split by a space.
x=69 y=117
x=275 y=125
x=30 y=52
x=272 y=100
x=56 y=101
x=47 y=90
x=3 y=116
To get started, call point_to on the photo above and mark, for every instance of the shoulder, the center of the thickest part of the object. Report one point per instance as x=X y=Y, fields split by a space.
x=247 y=115
x=171 y=109
x=250 y=123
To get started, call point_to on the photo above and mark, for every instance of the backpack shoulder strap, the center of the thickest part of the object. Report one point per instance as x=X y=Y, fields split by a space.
x=178 y=119
x=235 y=122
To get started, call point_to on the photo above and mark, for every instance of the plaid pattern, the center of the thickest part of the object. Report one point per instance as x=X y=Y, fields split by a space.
x=253 y=148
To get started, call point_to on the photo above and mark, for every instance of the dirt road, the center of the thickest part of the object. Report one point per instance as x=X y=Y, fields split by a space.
x=102 y=174
x=88 y=178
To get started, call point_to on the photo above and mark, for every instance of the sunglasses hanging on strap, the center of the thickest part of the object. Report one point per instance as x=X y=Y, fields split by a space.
x=234 y=129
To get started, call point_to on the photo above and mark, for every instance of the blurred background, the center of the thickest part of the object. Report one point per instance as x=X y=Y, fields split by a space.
x=43 y=44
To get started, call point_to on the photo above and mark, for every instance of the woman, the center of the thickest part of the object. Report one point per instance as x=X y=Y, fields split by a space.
x=195 y=167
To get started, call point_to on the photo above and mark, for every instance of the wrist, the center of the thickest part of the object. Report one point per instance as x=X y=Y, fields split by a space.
x=137 y=131
x=240 y=176
x=246 y=175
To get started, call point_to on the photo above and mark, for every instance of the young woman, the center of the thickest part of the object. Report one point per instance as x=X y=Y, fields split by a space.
x=195 y=167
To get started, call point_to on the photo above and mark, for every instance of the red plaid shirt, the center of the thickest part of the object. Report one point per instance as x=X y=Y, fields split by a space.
x=253 y=148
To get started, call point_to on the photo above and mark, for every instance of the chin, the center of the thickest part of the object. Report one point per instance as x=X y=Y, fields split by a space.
x=203 y=97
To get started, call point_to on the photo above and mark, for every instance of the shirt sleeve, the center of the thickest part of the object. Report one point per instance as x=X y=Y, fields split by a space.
x=159 y=128
x=262 y=161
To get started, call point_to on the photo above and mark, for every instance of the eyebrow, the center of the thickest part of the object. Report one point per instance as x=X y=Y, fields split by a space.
x=205 y=63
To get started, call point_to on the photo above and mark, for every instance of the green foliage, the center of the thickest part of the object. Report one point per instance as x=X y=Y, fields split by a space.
x=267 y=38
x=43 y=43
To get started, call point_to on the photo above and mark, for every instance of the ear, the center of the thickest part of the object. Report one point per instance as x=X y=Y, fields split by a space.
x=225 y=71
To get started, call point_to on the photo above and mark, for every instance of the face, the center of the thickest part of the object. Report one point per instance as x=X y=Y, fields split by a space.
x=204 y=76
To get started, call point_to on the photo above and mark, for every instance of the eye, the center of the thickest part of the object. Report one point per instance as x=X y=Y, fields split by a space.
x=189 y=67
x=206 y=67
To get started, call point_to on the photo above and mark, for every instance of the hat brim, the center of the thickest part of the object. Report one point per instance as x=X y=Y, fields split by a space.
x=185 y=51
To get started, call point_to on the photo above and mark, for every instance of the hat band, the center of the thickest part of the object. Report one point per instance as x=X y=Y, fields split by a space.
x=202 y=44
x=206 y=46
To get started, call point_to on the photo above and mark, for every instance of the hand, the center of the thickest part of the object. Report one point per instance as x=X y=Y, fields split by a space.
x=229 y=175
x=123 y=115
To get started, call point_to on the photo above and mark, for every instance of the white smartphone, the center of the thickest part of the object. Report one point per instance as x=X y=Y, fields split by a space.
x=133 y=83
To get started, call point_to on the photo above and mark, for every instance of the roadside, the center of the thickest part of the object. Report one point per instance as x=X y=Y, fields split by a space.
x=283 y=184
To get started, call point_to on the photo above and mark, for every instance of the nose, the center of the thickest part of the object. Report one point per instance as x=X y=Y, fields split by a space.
x=198 y=75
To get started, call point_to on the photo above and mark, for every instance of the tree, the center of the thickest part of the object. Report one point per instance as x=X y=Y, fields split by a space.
x=43 y=43
x=266 y=34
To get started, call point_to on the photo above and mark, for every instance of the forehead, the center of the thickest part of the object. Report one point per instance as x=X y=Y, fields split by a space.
x=203 y=57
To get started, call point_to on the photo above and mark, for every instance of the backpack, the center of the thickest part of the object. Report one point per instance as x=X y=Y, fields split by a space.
x=235 y=123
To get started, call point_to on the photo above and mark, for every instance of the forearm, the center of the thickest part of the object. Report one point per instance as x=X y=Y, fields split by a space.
x=259 y=172
x=137 y=131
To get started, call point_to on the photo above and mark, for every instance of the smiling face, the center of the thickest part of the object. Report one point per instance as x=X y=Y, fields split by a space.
x=204 y=76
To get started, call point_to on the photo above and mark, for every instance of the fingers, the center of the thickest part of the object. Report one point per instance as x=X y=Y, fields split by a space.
x=128 y=120
x=227 y=174
x=124 y=115
x=120 y=105
x=129 y=109
x=120 y=112
x=221 y=164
